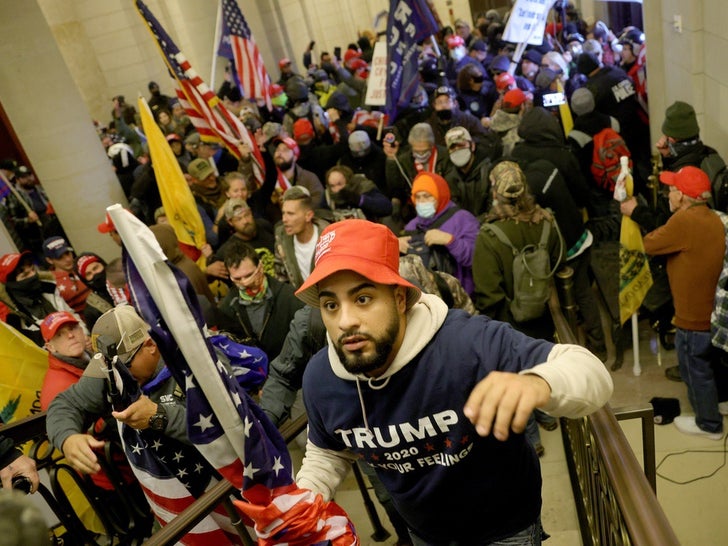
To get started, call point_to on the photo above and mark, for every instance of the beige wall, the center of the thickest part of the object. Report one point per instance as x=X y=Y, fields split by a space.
x=52 y=121
x=690 y=65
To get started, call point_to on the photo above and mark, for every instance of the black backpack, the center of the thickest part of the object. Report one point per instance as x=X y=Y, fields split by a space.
x=715 y=168
x=435 y=257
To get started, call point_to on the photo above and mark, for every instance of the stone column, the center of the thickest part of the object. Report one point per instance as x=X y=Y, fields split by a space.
x=53 y=124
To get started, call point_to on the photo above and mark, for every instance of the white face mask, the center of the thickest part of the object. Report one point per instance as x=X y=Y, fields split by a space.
x=422 y=157
x=425 y=210
x=461 y=157
x=457 y=54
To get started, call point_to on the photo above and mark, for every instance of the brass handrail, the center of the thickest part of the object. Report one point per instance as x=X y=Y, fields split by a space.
x=615 y=500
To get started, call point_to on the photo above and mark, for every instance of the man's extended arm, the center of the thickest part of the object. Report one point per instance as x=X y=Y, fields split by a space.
x=571 y=383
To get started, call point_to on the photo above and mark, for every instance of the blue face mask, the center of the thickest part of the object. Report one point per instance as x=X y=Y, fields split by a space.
x=425 y=210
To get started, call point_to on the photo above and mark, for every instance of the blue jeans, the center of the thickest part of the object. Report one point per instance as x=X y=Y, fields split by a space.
x=695 y=356
x=530 y=536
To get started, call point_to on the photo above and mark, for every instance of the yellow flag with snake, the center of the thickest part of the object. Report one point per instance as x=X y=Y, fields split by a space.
x=635 y=278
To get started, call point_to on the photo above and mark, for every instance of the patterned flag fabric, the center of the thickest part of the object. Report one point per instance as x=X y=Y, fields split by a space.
x=238 y=45
x=635 y=278
x=227 y=427
x=177 y=199
x=209 y=116
x=172 y=474
x=4 y=187
x=410 y=21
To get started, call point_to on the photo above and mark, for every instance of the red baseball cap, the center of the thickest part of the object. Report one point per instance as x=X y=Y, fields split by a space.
x=692 y=181
x=454 y=41
x=303 y=127
x=53 y=322
x=514 y=98
x=283 y=62
x=366 y=248
x=504 y=80
x=107 y=226
x=9 y=263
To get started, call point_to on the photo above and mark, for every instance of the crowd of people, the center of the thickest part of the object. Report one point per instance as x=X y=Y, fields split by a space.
x=374 y=216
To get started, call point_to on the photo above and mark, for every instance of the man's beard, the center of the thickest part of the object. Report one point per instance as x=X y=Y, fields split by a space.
x=248 y=231
x=357 y=363
x=284 y=165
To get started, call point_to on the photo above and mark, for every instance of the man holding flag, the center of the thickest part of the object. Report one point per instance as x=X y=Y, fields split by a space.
x=693 y=240
x=226 y=427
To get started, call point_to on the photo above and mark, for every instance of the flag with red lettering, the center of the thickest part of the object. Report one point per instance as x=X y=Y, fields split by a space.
x=410 y=22
x=238 y=45
x=224 y=423
x=209 y=116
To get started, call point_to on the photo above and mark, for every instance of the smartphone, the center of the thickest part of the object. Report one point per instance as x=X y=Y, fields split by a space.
x=390 y=135
x=553 y=99
x=337 y=52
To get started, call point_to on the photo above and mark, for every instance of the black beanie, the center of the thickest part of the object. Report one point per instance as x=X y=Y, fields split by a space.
x=587 y=63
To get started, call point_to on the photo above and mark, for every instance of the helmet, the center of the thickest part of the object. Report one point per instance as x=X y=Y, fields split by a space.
x=633 y=37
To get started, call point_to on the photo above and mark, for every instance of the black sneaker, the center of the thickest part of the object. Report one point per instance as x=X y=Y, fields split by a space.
x=673 y=373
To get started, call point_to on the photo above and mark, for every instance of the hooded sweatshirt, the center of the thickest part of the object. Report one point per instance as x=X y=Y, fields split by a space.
x=447 y=482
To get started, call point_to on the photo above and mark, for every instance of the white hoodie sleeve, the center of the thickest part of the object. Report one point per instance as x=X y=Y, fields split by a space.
x=322 y=470
x=580 y=383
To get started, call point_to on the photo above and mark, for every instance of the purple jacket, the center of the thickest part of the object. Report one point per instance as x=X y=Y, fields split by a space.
x=464 y=227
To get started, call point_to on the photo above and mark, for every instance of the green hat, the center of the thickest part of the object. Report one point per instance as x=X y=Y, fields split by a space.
x=680 y=121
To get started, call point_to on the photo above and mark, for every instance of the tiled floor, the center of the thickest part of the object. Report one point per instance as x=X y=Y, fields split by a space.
x=697 y=511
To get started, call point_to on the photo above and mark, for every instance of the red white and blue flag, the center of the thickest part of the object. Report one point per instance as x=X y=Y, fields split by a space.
x=238 y=45
x=227 y=427
x=209 y=116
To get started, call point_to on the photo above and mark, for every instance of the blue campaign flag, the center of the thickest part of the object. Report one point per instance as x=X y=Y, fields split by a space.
x=410 y=21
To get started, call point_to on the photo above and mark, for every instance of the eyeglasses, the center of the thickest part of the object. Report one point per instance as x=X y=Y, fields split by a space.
x=128 y=362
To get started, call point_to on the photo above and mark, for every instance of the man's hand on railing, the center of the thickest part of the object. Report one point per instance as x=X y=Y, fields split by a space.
x=79 y=452
x=22 y=466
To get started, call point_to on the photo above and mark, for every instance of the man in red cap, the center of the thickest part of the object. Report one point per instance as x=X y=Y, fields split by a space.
x=68 y=354
x=693 y=240
x=434 y=400
x=107 y=226
x=286 y=70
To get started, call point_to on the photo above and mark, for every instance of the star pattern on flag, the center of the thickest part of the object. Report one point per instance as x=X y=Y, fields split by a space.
x=277 y=465
x=178 y=456
x=204 y=423
x=248 y=424
x=250 y=471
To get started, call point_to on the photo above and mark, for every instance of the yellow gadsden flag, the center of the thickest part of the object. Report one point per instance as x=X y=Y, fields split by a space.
x=23 y=366
x=635 y=278
x=177 y=199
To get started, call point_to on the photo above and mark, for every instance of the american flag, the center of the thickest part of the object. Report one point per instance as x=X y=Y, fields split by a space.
x=209 y=116
x=238 y=45
x=172 y=474
x=227 y=427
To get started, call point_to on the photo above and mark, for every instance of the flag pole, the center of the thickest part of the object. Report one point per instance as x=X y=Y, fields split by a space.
x=215 y=42
x=636 y=368
x=19 y=197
